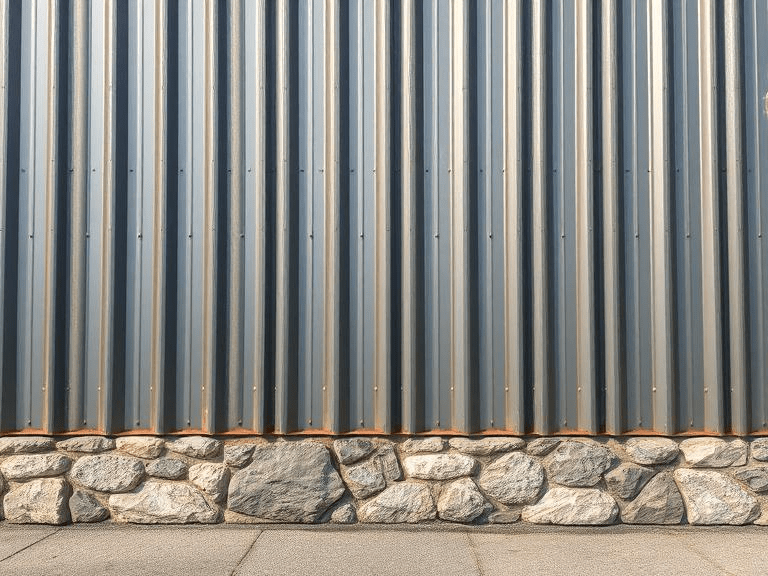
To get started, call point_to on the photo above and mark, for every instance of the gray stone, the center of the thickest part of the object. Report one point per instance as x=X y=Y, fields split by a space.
x=238 y=455
x=344 y=514
x=714 y=498
x=486 y=446
x=163 y=503
x=402 y=502
x=87 y=444
x=168 y=468
x=195 y=446
x=415 y=445
x=542 y=446
x=25 y=444
x=85 y=508
x=504 y=517
x=755 y=478
x=286 y=482
x=577 y=463
x=438 y=466
x=649 y=451
x=141 y=446
x=27 y=466
x=658 y=503
x=760 y=449
x=573 y=506
x=461 y=501
x=40 y=501
x=628 y=479
x=388 y=462
x=213 y=479
x=513 y=479
x=108 y=472
x=365 y=479
x=714 y=452
x=350 y=450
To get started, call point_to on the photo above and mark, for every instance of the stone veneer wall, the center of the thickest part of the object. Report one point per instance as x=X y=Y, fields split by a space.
x=195 y=479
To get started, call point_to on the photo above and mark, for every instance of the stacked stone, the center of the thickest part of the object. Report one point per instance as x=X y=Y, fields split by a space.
x=569 y=481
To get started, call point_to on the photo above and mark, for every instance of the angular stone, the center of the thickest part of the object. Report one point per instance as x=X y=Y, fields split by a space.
x=364 y=479
x=25 y=444
x=578 y=464
x=573 y=507
x=486 y=446
x=438 y=466
x=714 y=452
x=649 y=451
x=755 y=478
x=714 y=498
x=26 y=466
x=195 y=446
x=141 y=446
x=87 y=444
x=461 y=501
x=390 y=465
x=286 y=482
x=402 y=502
x=85 y=508
x=658 y=503
x=163 y=503
x=542 y=446
x=350 y=450
x=213 y=479
x=168 y=468
x=513 y=479
x=238 y=455
x=416 y=445
x=760 y=449
x=504 y=517
x=628 y=479
x=344 y=514
x=40 y=501
x=108 y=472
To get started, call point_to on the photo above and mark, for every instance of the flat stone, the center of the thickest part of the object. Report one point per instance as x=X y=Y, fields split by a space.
x=344 y=514
x=238 y=455
x=87 y=444
x=513 y=479
x=40 y=501
x=759 y=449
x=714 y=498
x=438 y=466
x=27 y=466
x=286 y=482
x=755 y=478
x=365 y=479
x=213 y=479
x=628 y=479
x=416 y=445
x=168 y=468
x=163 y=503
x=141 y=446
x=195 y=446
x=388 y=462
x=649 y=451
x=400 y=503
x=542 y=446
x=83 y=507
x=108 y=472
x=578 y=464
x=573 y=507
x=486 y=446
x=351 y=450
x=658 y=503
x=461 y=501
x=714 y=452
x=25 y=444
x=504 y=517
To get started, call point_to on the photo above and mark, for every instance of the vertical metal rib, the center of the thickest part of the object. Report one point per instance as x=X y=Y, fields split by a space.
x=662 y=296
x=514 y=351
x=739 y=369
x=331 y=382
x=382 y=244
x=4 y=16
x=541 y=350
x=236 y=224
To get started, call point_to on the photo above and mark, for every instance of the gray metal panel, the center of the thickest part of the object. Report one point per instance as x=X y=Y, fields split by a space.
x=389 y=215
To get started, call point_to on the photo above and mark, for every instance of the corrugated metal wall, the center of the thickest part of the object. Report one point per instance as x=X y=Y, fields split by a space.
x=384 y=215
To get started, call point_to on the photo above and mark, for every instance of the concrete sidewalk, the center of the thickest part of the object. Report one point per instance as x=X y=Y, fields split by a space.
x=276 y=550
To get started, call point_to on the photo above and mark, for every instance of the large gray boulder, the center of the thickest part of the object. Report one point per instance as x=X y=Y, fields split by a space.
x=755 y=478
x=438 y=466
x=211 y=478
x=760 y=449
x=168 y=468
x=27 y=466
x=714 y=498
x=400 y=503
x=486 y=446
x=195 y=446
x=578 y=463
x=416 y=445
x=649 y=451
x=85 y=508
x=390 y=466
x=514 y=478
x=25 y=444
x=40 y=501
x=714 y=452
x=626 y=480
x=364 y=479
x=163 y=503
x=141 y=446
x=658 y=503
x=351 y=450
x=573 y=506
x=461 y=501
x=108 y=472
x=86 y=444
